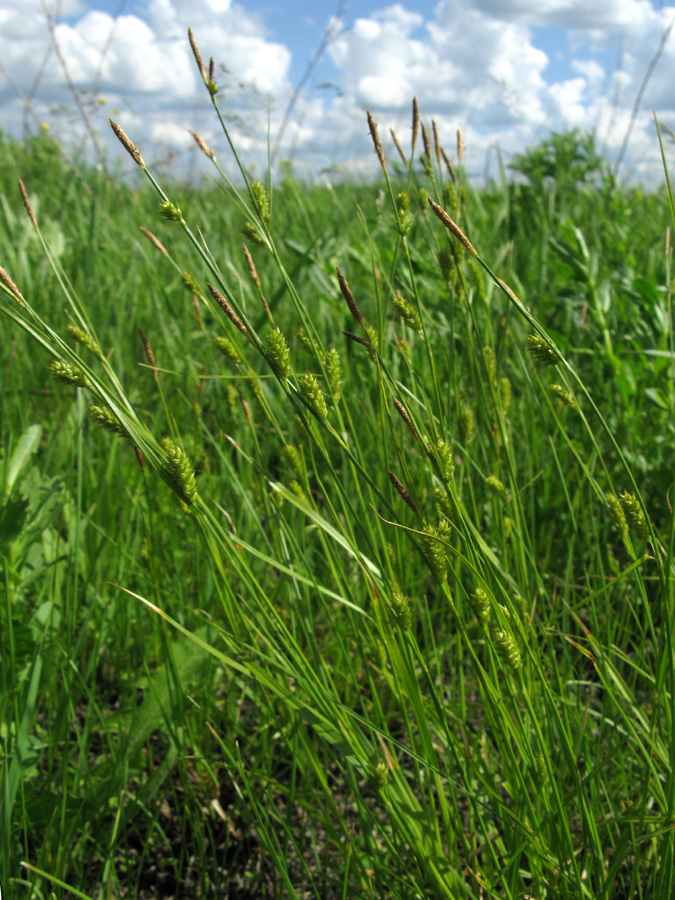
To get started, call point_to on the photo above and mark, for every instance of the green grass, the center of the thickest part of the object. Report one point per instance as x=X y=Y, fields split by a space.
x=409 y=644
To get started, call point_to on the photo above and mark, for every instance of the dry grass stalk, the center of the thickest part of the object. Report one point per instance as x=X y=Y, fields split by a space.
x=156 y=243
x=398 y=147
x=460 y=146
x=26 y=203
x=349 y=297
x=449 y=165
x=404 y=492
x=148 y=352
x=203 y=146
x=6 y=279
x=403 y=413
x=127 y=143
x=451 y=226
x=437 y=142
x=372 y=125
x=197 y=55
x=228 y=310
x=425 y=141
x=415 y=122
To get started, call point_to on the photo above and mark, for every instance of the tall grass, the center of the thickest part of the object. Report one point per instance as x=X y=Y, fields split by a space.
x=405 y=628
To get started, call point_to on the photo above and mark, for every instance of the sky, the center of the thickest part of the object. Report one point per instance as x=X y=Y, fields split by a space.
x=507 y=72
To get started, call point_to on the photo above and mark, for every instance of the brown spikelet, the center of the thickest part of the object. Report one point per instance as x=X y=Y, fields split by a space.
x=26 y=203
x=449 y=165
x=203 y=146
x=358 y=340
x=451 y=226
x=245 y=405
x=460 y=146
x=377 y=143
x=148 y=352
x=425 y=141
x=397 y=144
x=403 y=413
x=127 y=143
x=212 y=69
x=415 y=122
x=228 y=310
x=197 y=55
x=404 y=492
x=251 y=267
x=349 y=297
x=156 y=243
x=6 y=279
x=437 y=142
x=140 y=458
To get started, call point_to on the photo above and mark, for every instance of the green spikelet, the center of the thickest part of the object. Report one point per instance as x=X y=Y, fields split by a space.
x=179 y=470
x=380 y=775
x=227 y=347
x=634 y=515
x=618 y=516
x=279 y=354
x=422 y=202
x=170 y=211
x=441 y=450
x=310 y=390
x=433 y=546
x=475 y=276
x=83 y=338
x=403 y=211
x=260 y=199
x=305 y=340
x=68 y=373
x=541 y=771
x=106 y=419
x=446 y=263
x=467 y=426
x=298 y=490
x=190 y=283
x=408 y=313
x=400 y=608
x=497 y=487
x=252 y=233
x=451 y=200
x=504 y=394
x=292 y=456
x=490 y=365
x=256 y=387
x=334 y=373
x=443 y=505
x=541 y=350
x=507 y=648
x=480 y=603
x=564 y=395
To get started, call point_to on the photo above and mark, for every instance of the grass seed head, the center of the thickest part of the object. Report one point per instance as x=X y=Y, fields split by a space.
x=107 y=419
x=26 y=203
x=349 y=297
x=190 y=283
x=403 y=413
x=426 y=142
x=437 y=142
x=400 y=608
x=433 y=546
x=566 y=397
x=251 y=231
x=480 y=603
x=617 y=514
x=179 y=470
x=398 y=146
x=294 y=460
x=67 y=373
x=127 y=143
x=635 y=517
x=496 y=487
x=407 y=312
x=170 y=211
x=452 y=227
x=377 y=143
x=259 y=196
x=156 y=243
x=148 y=352
x=403 y=492
x=460 y=146
x=310 y=390
x=83 y=338
x=197 y=55
x=279 y=354
x=415 y=123
x=253 y=272
x=6 y=279
x=227 y=347
x=227 y=308
x=334 y=373
x=467 y=426
x=541 y=350
x=441 y=451
x=380 y=775
x=507 y=648
x=449 y=166
x=203 y=146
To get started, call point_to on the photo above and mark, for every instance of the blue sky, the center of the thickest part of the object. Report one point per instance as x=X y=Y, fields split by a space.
x=506 y=71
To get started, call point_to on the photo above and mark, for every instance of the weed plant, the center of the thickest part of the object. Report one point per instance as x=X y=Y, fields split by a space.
x=351 y=574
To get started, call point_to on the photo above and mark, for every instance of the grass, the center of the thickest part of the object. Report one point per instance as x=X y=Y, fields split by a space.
x=369 y=594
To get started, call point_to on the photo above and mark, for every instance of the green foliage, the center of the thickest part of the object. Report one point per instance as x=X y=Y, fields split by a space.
x=303 y=685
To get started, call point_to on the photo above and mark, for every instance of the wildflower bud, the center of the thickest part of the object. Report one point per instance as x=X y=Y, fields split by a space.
x=83 y=338
x=311 y=392
x=541 y=350
x=279 y=354
x=67 y=373
x=107 y=419
x=507 y=648
x=480 y=603
x=495 y=486
x=635 y=517
x=179 y=471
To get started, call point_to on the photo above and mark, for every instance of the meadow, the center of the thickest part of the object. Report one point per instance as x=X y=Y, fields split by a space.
x=336 y=532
